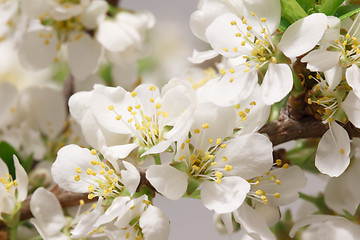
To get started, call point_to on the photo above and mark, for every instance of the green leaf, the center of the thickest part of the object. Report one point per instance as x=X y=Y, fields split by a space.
x=6 y=154
x=284 y=24
x=193 y=184
x=307 y=4
x=181 y=166
x=329 y=7
x=346 y=11
x=292 y=11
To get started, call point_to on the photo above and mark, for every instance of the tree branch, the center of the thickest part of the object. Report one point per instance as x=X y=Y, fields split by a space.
x=286 y=128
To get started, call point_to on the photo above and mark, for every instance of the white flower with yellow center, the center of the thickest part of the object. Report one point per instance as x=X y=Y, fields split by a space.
x=221 y=166
x=80 y=170
x=253 y=37
x=12 y=192
x=339 y=50
x=153 y=121
x=46 y=36
x=278 y=187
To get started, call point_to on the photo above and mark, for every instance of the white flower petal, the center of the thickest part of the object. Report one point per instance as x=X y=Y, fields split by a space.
x=87 y=221
x=245 y=156
x=116 y=152
x=38 y=52
x=269 y=212
x=277 y=83
x=321 y=60
x=68 y=159
x=167 y=180
x=333 y=76
x=93 y=12
x=270 y=9
x=3 y=168
x=226 y=196
x=353 y=78
x=130 y=177
x=22 y=180
x=84 y=54
x=113 y=211
x=154 y=224
x=311 y=219
x=200 y=57
x=351 y=106
x=252 y=223
x=329 y=159
x=303 y=35
x=221 y=35
x=48 y=212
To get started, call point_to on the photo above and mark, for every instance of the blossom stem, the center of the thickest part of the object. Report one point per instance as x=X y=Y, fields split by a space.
x=13 y=232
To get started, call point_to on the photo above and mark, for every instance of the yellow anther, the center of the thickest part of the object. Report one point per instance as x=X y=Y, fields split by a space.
x=130 y=120
x=133 y=113
x=263 y=19
x=91 y=188
x=218 y=174
x=213 y=164
x=228 y=168
x=111 y=107
x=278 y=162
x=133 y=94
x=210 y=140
x=235 y=49
x=151 y=100
x=218 y=180
x=15 y=182
x=238 y=34
x=138 y=106
x=223 y=145
x=152 y=88
x=258 y=192
x=93 y=152
x=89 y=171
x=247 y=110
x=246 y=70
x=222 y=71
x=263 y=198
x=78 y=170
x=237 y=106
x=263 y=30
x=111 y=171
x=243 y=43
x=244 y=20
x=277 y=195
x=130 y=108
x=233 y=22
x=253 y=103
x=165 y=114
x=205 y=126
x=118 y=117
x=278 y=181
x=252 y=13
x=127 y=235
x=158 y=105
x=309 y=101
x=218 y=141
x=82 y=203
x=102 y=165
x=231 y=79
x=196 y=130
x=182 y=145
x=248 y=34
x=225 y=49
x=273 y=59
x=102 y=171
x=249 y=28
x=77 y=177
x=231 y=70
x=286 y=166
x=224 y=159
x=341 y=151
x=91 y=196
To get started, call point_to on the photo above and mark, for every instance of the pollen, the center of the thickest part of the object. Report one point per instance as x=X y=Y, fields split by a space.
x=233 y=22
x=231 y=70
x=205 y=126
x=118 y=117
x=111 y=107
x=218 y=141
x=278 y=162
x=224 y=159
x=286 y=166
x=93 y=152
x=81 y=202
x=228 y=168
x=78 y=170
x=210 y=140
x=152 y=88
x=196 y=130
x=278 y=181
x=222 y=71
x=263 y=19
x=77 y=177
x=277 y=195
x=133 y=94
x=341 y=151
